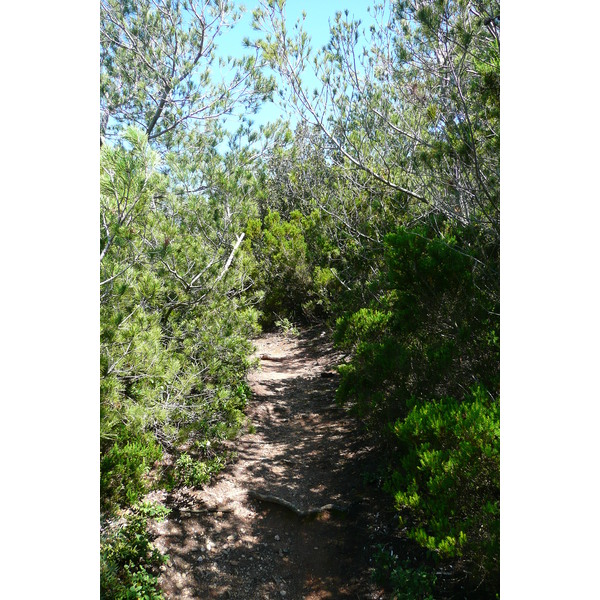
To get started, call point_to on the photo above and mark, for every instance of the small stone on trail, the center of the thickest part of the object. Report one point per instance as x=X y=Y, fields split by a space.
x=277 y=538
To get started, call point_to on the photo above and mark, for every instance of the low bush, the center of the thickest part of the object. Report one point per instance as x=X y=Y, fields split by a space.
x=123 y=471
x=449 y=479
x=128 y=561
x=191 y=472
x=424 y=376
x=432 y=332
x=409 y=582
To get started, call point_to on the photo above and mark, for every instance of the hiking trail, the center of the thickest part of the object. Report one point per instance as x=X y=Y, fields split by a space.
x=292 y=517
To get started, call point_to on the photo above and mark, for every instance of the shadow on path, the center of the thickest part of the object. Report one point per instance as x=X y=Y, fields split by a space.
x=225 y=542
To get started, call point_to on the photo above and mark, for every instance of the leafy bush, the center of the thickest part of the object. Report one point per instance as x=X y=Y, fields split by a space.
x=287 y=328
x=407 y=581
x=416 y=354
x=192 y=472
x=432 y=334
x=123 y=470
x=450 y=477
x=283 y=273
x=128 y=561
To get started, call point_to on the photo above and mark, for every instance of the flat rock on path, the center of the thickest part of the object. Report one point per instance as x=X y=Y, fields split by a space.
x=291 y=518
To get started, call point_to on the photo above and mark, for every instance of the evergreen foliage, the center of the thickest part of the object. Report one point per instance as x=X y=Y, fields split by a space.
x=175 y=331
x=378 y=214
x=432 y=333
x=174 y=344
x=407 y=581
x=449 y=477
x=416 y=356
x=128 y=561
x=282 y=268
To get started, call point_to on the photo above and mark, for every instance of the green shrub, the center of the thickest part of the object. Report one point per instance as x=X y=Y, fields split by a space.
x=449 y=478
x=287 y=328
x=175 y=323
x=123 y=471
x=432 y=333
x=128 y=561
x=416 y=352
x=282 y=271
x=407 y=581
x=143 y=585
x=192 y=472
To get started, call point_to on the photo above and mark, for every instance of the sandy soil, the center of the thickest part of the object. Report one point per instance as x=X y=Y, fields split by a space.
x=247 y=535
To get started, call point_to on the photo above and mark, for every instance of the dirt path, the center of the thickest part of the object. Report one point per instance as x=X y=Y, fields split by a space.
x=260 y=531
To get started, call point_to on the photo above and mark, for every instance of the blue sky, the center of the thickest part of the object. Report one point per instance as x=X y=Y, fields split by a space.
x=318 y=13
x=316 y=24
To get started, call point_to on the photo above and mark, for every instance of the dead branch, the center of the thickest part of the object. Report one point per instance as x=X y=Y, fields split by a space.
x=272 y=358
x=310 y=512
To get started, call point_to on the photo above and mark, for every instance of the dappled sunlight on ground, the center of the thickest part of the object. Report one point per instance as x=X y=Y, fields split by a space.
x=246 y=536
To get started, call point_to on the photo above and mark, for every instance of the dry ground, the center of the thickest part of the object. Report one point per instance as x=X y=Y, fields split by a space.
x=247 y=536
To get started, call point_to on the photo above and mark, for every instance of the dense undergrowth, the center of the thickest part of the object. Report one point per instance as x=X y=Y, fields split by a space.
x=128 y=561
x=378 y=214
x=424 y=377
